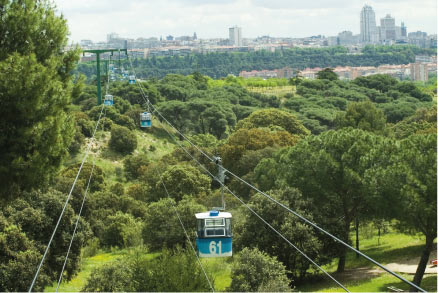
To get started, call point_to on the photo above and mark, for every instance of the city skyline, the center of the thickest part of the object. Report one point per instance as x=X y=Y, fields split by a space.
x=212 y=18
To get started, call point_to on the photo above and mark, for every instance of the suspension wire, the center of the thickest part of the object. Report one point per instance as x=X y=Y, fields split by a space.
x=83 y=201
x=214 y=177
x=69 y=195
x=255 y=213
x=76 y=225
x=165 y=188
x=185 y=231
x=281 y=204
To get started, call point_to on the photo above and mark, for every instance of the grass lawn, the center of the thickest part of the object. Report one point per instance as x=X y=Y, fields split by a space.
x=357 y=278
x=154 y=142
x=278 y=91
x=87 y=266
x=376 y=284
x=220 y=268
x=392 y=247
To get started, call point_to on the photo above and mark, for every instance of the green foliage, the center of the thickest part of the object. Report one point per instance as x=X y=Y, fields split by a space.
x=162 y=227
x=112 y=277
x=35 y=214
x=134 y=166
x=297 y=232
x=36 y=88
x=68 y=175
x=121 y=230
x=183 y=180
x=422 y=122
x=244 y=140
x=327 y=168
x=254 y=271
x=328 y=74
x=18 y=258
x=404 y=182
x=171 y=271
x=362 y=115
x=220 y=65
x=380 y=82
x=272 y=118
x=122 y=140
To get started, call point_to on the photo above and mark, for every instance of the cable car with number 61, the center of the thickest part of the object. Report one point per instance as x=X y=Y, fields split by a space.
x=214 y=234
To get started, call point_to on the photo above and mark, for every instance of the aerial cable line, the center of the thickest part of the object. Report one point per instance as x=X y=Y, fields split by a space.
x=185 y=232
x=282 y=205
x=76 y=225
x=79 y=216
x=260 y=217
x=214 y=177
x=68 y=197
x=82 y=205
x=165 y=188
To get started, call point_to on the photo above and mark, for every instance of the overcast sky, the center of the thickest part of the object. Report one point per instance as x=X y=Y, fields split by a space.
x=94 y=19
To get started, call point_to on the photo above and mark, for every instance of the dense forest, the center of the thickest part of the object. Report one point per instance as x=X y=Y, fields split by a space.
x=217 y=65
x=349 y=156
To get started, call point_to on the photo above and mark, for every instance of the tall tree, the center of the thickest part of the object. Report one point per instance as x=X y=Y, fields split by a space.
x=327 y=73
x=35 y=91
x=273 y=118
x=326 y=169
x=405 y=183
x=362 y=115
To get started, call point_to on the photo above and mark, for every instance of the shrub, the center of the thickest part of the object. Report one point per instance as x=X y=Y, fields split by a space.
x=172 y=271
x=161 y=225
x=121 y=230
x=134 y=166
x=122 y=140
x=254 y=270
x=112 y=277
x=126 y=121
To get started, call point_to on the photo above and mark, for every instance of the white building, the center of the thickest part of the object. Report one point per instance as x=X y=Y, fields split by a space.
x=236 y=36
x=368 y=29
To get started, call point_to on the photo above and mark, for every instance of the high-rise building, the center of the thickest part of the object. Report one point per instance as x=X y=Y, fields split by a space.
x=418 y=38
x=236 y=36
x=387 y=29
x=403 y=30
x=112 y=36
x=368 y=29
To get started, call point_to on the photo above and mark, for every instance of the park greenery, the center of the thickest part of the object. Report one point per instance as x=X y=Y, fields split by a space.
x=350 y=156
x=218 y=65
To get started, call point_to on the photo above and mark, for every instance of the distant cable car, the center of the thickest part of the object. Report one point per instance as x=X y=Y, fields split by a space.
x=131 y=79
x=108 y=100
x=145 y=119
x=215 y=238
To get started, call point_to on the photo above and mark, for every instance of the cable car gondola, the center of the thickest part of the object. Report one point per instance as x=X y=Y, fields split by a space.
x=108 y=100
x=215 y=238
x=145 y=119
x=131 y=79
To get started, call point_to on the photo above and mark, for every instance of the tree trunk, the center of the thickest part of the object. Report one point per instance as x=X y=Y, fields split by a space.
x=378 y=239
x=357 y=237
x=423 y=261
x=341 y=263
x=343 y=250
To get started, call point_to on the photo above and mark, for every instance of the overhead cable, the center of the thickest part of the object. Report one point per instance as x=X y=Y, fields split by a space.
x=282 y=205
x=68 y=198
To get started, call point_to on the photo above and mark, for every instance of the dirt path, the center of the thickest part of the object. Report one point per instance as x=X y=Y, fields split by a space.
x=409 y=266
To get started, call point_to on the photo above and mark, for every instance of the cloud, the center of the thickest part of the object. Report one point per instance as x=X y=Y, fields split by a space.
x=93 y=19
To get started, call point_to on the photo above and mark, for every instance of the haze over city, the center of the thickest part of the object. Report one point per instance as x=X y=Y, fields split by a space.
x=211 y=18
